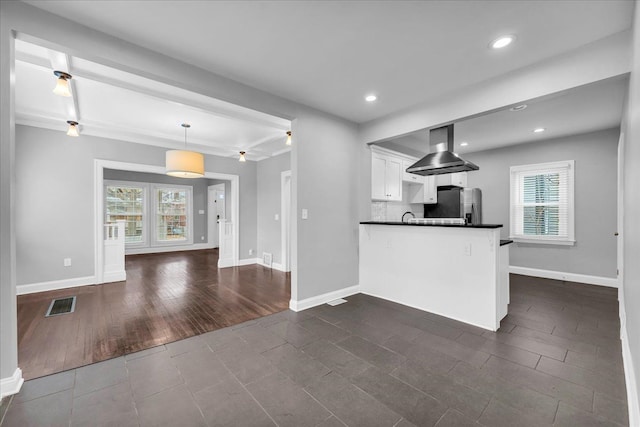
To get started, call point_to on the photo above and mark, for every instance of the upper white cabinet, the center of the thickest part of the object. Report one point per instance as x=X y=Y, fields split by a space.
x=410 y=177
x=458 y=179
x=430 y=190
x=386 y=177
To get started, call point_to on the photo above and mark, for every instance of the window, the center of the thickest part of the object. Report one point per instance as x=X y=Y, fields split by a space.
x=126 y=202
x=154 y=214
x=542 y=203
x=172 y=222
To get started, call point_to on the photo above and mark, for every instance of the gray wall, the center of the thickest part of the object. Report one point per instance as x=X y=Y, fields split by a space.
x=269 y=199
x=631 y=231
x=52 y=224
x=325 y=247
x=198 y=188
x=595 y=156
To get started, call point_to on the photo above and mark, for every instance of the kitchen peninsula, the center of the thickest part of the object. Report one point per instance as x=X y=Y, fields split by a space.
x=457 y=271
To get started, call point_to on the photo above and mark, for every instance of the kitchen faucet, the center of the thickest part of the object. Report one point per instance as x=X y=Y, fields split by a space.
x=407 y=212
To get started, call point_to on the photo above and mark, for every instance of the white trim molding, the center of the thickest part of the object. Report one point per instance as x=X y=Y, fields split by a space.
x=173 y=248
x=54 y=285
x=323 y=299
x=114 y=276
x=611 y=282
x=247 y=261
x=12 y=384
x=633 y=398
x=274 y=265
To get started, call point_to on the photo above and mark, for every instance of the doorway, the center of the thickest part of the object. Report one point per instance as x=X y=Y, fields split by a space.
x=216 y=209
x=285 y=214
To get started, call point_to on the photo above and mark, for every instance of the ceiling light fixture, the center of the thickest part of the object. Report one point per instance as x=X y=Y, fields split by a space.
x=242 y=157
x=183 y=163
x=62 y=84
x=464 y=144
x=370 y=98
x=288 y=138
x=502 y=41
x=518 y=107
x=538 y=130
x=73 y=128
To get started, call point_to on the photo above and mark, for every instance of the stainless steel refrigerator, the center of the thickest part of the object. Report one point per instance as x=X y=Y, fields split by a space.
x=457 y=202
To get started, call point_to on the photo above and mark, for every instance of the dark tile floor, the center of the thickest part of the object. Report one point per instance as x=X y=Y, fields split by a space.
x=369 y=362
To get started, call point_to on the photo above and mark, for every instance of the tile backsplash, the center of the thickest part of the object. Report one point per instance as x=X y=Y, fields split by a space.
x=392 y=211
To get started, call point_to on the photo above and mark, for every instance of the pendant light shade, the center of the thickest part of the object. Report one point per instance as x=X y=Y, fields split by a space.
x=184 y=163
x=73 y=128
x=288 y=138
x=242 y=157
x=62 y=84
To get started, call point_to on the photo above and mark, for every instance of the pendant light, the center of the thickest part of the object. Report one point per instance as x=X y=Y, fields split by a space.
x=62 y=84
x=288 y=138
x=183 y=163
x=73 y=128
x=242 y=157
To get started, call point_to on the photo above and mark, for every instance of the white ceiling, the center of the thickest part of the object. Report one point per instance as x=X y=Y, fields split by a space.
x=329 y=54
x=583 y=109
x=115 y=104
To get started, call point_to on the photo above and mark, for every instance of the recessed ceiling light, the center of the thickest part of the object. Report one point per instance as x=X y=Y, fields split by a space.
x=370 y=98
x=538 y=130
x=502 y=41
x=518 y=107
x=464 y=144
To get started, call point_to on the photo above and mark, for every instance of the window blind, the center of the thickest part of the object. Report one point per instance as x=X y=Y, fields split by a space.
x=542 y=202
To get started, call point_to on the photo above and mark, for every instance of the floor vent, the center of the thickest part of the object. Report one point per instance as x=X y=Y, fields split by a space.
x=267 y=259
x=337 y=301
x=61 y=306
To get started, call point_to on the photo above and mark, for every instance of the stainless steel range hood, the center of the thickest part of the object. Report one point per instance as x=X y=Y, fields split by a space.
x=441 y=159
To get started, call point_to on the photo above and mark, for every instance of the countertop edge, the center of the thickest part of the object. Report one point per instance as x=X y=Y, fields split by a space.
x=431 y=225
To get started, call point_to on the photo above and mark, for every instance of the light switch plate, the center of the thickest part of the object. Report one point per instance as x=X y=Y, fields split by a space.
x=276 y=217
x=67 y=262
x=305 y=214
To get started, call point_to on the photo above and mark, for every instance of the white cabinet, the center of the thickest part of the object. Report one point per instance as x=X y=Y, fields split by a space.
x=459 y=179
x=430 y=190
x=410 y=177
x=386 y=177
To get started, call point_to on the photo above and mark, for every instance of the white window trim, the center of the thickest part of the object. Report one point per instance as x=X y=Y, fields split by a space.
x=546 y=240
x=153 y=200
x=145 y=204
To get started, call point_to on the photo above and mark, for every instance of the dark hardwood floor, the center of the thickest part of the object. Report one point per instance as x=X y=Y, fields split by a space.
x=166 y=297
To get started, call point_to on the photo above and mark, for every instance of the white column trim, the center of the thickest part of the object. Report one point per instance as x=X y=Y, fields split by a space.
x=12 y=384
x=323 y=299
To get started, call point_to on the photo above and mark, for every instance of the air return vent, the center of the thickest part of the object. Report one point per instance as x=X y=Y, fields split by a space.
x=267 y=259
x=61 y=306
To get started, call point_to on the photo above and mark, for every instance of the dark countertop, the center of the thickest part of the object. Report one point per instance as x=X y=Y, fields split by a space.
x=432 y=225
x=505 y=242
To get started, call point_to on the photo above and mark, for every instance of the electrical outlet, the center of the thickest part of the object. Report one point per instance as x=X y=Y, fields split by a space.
x=276 y=217
x=201 y=237
x=67 y=262
x=201 y=212
x=250 y=251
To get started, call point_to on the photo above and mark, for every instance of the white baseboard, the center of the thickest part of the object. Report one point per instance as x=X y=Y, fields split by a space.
x=224 y=263
x=247 y=261
x=323 y=299
x=163 y=249
x=54 y=285
x=633 y=397
x=12 y=384
x=274 y=265
x=115 y=276
x=569 y=277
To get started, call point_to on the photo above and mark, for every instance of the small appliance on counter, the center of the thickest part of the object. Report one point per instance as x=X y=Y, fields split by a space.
x=457 y=202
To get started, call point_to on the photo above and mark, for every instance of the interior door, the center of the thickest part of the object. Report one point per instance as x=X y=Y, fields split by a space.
x=216 y=212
